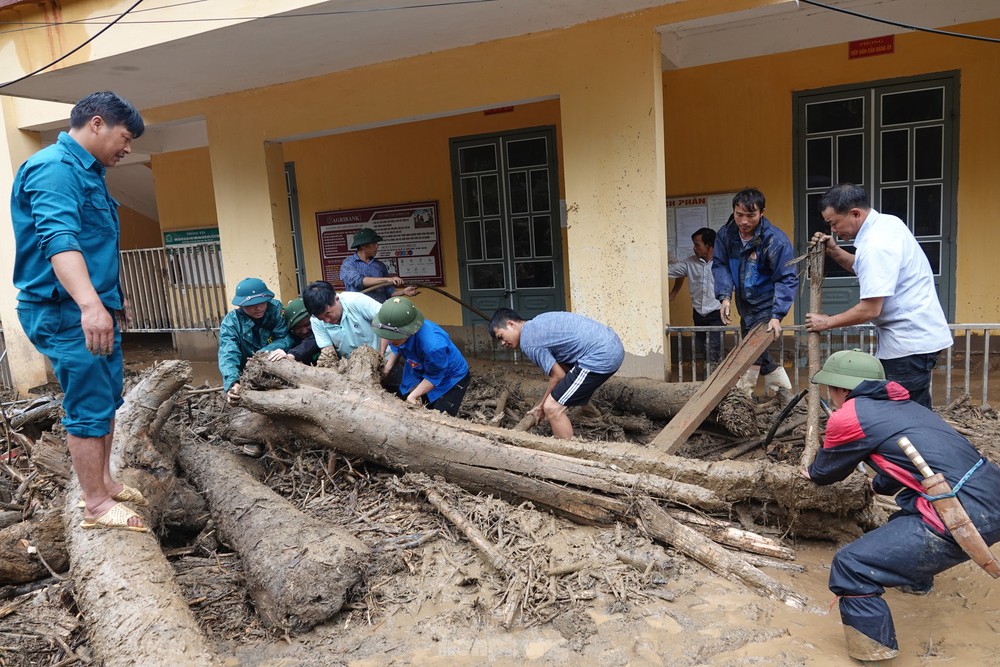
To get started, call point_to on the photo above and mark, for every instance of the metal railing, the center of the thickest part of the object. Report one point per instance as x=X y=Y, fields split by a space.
x=179 y=288
x=965 y=365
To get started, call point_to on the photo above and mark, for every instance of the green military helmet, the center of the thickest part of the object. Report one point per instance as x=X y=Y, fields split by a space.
x=295 y=312
x=364 y=236
x=252 y=291
x=849 y=368
x=397 y=318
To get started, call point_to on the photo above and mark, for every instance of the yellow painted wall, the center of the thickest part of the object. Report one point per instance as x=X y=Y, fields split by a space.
x=397 y=164
x=740 y=133
x=185 y=198
x=138 y=231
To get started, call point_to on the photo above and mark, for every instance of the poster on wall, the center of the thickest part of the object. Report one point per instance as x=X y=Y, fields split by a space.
x=686 y=215
x=410 y=245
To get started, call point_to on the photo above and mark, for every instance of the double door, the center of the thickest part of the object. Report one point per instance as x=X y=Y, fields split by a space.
x=507 y=216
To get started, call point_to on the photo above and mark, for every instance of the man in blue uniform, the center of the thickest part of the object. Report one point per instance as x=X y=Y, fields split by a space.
x=66 y=268
x=434 y=371
x=871 y=416
x=257 y=324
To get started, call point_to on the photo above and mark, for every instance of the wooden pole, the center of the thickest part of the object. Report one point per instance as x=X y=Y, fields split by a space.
x=817 y=257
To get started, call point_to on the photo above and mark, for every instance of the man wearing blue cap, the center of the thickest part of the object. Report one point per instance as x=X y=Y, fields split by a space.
x=256 y=324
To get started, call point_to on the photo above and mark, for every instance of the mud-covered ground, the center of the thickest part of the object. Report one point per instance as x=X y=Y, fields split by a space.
x=429 y=598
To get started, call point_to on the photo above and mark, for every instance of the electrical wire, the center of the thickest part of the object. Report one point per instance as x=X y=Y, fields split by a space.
x=67 y=55
x=898 y=24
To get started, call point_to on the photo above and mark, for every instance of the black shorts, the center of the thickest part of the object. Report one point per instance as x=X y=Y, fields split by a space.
x=578 y=386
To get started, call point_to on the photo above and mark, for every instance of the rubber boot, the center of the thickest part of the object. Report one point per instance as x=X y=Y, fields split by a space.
x=748 y=382
x=862 y=647
x=776 y=382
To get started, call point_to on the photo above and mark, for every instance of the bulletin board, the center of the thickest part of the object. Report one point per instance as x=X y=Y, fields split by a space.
x=410 y=245
x=686 y=215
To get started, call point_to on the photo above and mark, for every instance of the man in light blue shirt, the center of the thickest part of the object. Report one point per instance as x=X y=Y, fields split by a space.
x=342 y=321
x=577 y=353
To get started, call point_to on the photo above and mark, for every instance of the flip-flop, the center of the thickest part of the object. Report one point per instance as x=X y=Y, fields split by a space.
x=115 y=518
x=128 y=494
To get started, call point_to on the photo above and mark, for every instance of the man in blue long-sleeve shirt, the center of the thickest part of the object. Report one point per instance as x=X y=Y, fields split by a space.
x=751 y=259
x=66 y=268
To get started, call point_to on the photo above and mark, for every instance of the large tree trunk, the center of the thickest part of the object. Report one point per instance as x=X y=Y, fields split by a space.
x=45 y=533
x=126 y=588
x=653 y=398
x=298 y=569
x=359 y=421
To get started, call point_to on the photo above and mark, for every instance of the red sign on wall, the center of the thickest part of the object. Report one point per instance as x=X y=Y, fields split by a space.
x=410 y=246
x=876 y=46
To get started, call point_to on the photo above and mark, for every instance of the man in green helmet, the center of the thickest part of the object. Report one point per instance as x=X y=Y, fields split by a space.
x=304 y=348
x=871 y=415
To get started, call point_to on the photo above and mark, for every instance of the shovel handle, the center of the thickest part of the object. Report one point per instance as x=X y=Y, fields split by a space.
x=915 y=457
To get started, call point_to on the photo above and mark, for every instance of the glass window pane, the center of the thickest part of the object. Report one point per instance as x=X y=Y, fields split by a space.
x=521 y=235
x=895 y=155
x=518 y=182
x=913 y=106
x=486 y=276
x=929 y=157
x=927 y=210
x=543 y=235
x=470 y=197
x=491 y=194
x=895 y=201
x=473 y=240
x=477 y=158
x=834 y=270
x=819 y=162
x=526 y=153
x=851 y=159
x=540 y=190
x=534 y=274
x=494 y=239
x=836 y=115
x=933 y=251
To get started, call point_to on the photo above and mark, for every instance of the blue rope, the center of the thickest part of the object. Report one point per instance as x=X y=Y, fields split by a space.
x=954 y=492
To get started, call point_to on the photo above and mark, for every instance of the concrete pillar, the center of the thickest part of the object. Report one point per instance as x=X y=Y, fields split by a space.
x=612 y=132
x=251 y=204
x=27 y=366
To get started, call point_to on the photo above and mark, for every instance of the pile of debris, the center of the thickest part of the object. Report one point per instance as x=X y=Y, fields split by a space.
x=354 y=490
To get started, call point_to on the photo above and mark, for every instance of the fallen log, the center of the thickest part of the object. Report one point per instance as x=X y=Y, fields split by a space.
x=358 y=421
x=659 y=525
x=653 y=398
x=723 y=533
x=124 y=585
x=401 y=437
x=298 y=570
x=43 y=531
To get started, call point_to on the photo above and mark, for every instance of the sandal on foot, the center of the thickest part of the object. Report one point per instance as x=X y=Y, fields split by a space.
x=115 y=518
x=128 y=494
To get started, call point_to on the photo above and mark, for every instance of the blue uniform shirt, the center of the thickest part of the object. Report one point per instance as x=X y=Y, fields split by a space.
x=429 y=354
x=60 y=203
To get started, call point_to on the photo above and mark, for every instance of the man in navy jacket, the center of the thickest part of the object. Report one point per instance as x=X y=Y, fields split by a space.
x=871 y=416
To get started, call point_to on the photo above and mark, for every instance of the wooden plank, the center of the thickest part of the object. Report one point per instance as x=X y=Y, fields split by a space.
x=713 y=390
x=817 y=259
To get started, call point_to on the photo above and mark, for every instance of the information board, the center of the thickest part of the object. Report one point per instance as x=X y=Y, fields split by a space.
x=686 y=215
x=410 y=245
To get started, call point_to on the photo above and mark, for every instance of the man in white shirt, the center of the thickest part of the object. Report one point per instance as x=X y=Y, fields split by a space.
x=697 y=268
x=897 y=288
x=343 y=320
